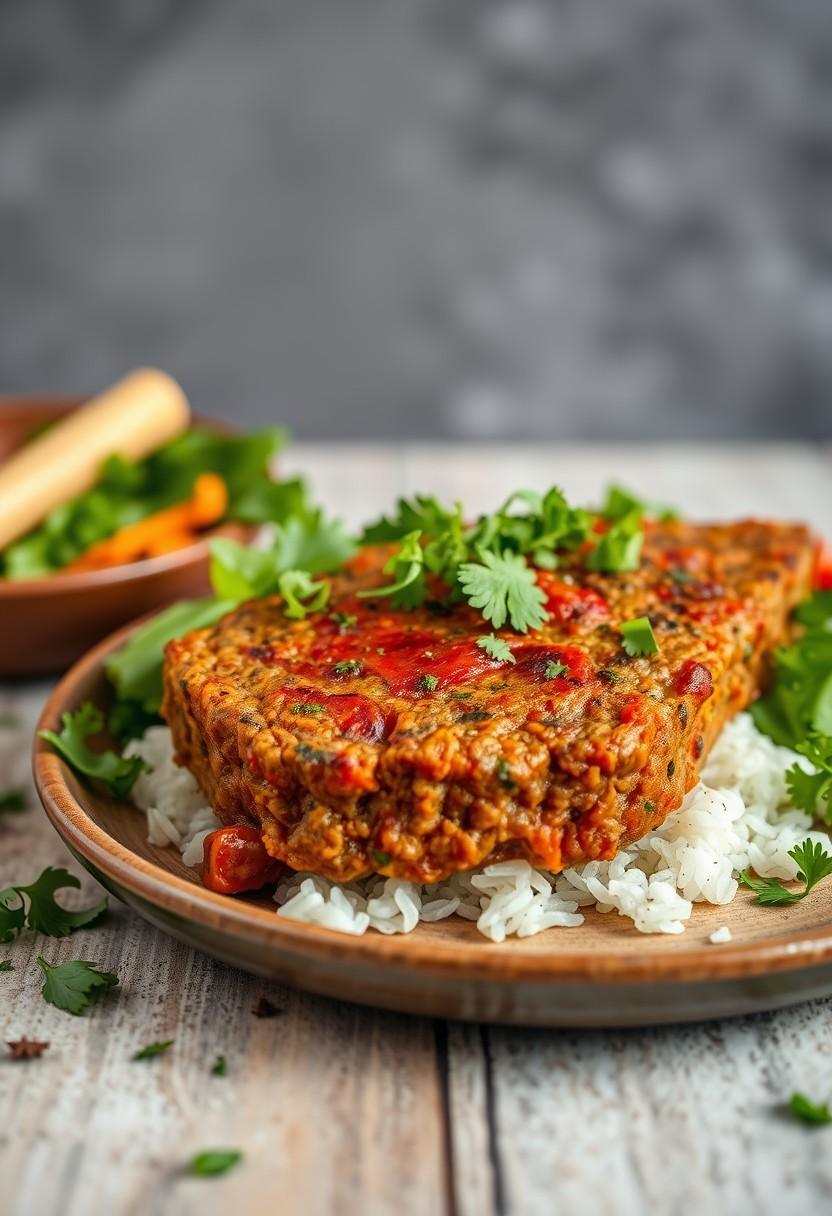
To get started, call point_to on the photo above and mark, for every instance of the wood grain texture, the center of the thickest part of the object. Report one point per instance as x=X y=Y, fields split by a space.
x=342 y=1110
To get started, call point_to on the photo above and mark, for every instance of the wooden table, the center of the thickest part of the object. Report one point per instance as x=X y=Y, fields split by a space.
x=346 y=1110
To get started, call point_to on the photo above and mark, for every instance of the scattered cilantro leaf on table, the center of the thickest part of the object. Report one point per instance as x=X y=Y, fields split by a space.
x=45 y=915
x=71 y=986
x=213 y=1161
x=815 y=1113
x=151 y=1050
x=638 y=637
x=219 y=1068
x=814 y=864
x=12 y=801
x=6 y=964
x=116 y=772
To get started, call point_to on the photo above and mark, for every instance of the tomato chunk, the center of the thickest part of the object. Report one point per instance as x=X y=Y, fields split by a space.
x=235 y=860
x=823 y=569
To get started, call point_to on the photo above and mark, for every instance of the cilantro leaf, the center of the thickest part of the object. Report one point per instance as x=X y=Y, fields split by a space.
x=504 y=588
x=219 y=1068
x=116 y=772
x=152 y=1049
x=807 y=1111
x=800 y=701
x=6 y=965
x=45 y=914
x=13 y=800
x=420 y=514
x=814 y=864
x=407 y=566
x=808 y=790
x=70 y=986
x=619 y=548
x=496 y=648
x=302 y=594
x=620 y=502
x=12 y=914
x=553 y=670
x=637 y=637
x=214 y=1161
x=428 y=683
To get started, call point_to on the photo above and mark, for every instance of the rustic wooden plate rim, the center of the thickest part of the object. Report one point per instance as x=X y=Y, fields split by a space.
x=420 y=951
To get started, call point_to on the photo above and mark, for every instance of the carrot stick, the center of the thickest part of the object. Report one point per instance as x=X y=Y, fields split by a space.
x=157 y=533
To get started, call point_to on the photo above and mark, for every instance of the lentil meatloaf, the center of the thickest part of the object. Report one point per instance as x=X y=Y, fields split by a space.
x=365 y=738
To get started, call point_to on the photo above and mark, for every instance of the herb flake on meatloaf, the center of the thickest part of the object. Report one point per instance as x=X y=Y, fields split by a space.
x=370 y=738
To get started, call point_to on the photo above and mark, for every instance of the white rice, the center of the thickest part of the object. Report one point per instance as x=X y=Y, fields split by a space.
x=738 y=817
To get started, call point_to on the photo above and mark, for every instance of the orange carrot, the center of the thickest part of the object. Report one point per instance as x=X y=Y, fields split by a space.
x=169 y=529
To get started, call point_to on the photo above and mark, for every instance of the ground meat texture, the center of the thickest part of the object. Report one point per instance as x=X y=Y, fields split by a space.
x=369 y=739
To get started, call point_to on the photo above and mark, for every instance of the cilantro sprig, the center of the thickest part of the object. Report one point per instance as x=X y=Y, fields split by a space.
x=492 y=562
x=812 y=791
x=800 y=701
x=118 y=773
x=35 y=907
x=496 y=648
x=814 y=863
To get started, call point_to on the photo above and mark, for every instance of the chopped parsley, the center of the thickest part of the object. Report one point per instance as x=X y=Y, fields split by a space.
x=608 y=674
x=152 y=1049
x=349 y=667
x=344 y=620
x=815 y=1113
x=428 y=683
x=649 y=807
x=213 y=1161
x=553 y=670
x=496 y=648
x=814 y=863
x=117 y=773
x=306 y=708
x=638 y=637
x=71 y=986
x=35 y=907
x=381 y=858
x=504 y=774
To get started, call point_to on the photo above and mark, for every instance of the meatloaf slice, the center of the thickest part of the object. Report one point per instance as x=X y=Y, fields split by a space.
x=368 y=739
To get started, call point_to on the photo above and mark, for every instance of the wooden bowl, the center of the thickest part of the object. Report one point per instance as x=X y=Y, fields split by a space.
x=46 y=623
x=601 y=974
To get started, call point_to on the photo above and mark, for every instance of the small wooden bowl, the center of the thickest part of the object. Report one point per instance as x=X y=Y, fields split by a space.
x=602 y=974
x=46 y=623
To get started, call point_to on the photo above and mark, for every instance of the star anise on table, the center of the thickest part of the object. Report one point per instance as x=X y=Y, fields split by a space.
x=26 y=1049
x=266 y=1008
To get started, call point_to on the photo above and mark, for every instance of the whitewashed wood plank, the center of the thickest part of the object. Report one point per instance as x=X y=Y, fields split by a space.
x=682 y=1120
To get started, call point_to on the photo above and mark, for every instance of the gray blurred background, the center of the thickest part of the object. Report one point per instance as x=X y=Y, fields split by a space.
x=460 y=218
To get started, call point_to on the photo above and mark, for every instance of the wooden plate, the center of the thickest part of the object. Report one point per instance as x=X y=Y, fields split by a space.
x=602 y=974
x=46 y=623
